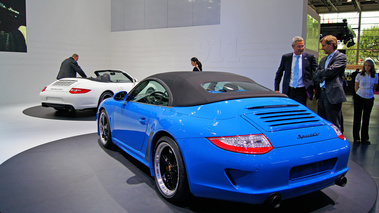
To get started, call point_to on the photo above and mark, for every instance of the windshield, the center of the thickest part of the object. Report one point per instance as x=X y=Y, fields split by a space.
x=150 y=92
x=113 y=76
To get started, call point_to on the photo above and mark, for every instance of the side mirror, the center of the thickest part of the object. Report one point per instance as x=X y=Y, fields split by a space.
x=120 y=96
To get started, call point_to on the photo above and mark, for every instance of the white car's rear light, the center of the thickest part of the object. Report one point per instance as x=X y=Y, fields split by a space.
x=79 y=91
x=247 y=144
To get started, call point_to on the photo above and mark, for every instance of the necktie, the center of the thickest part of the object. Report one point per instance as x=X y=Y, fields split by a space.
x=295 y=79
x=322 y=84
x=327 y=61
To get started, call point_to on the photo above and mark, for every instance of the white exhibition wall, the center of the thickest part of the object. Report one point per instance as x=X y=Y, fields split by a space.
x=250 y=39
x=55 y=30
x=152 y=14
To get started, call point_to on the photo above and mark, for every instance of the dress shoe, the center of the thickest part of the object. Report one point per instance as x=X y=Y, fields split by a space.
x=366 y=142
x=357 y=141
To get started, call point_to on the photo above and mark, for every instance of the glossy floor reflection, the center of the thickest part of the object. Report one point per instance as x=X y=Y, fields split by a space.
x=77 y=174
x=21 y=132
x=366 y=156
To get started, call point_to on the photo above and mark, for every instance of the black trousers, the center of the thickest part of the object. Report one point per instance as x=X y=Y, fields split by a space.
x=362 y=105
x=298 y=94
x=329 y=111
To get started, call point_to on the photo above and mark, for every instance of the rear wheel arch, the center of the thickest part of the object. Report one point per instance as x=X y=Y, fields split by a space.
x=106 y=94
x=153 y=144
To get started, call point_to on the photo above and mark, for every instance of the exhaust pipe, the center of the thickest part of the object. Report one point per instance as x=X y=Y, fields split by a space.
x=341 y=181
x=274 y=200
x=69 y=108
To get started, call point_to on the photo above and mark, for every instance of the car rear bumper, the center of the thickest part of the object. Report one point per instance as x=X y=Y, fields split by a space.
x=65 y=107
x=288 y=171
x=61 y=100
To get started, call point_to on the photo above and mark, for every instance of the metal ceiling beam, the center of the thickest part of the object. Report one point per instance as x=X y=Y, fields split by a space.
x=329 y=5
x=357 y=5
x=312 y=6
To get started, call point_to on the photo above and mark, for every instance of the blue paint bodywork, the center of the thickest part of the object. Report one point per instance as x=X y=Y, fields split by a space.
x=307 y=155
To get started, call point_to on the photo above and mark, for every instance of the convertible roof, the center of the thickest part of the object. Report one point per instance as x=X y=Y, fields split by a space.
x=186 y=87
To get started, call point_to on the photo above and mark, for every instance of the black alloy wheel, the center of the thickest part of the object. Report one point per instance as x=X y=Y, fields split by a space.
x=169 y=172
x=105 y=130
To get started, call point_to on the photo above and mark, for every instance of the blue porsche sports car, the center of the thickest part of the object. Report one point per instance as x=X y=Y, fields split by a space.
x=223 y=136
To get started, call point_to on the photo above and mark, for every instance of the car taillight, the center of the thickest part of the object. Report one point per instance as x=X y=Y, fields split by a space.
x=338 y=132
x=79 y=91
x=44 y=89
x=247 y=144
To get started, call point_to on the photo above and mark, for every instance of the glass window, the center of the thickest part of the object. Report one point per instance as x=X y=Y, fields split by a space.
x=313 y=33
x=150 y=92
x=367 y=33
x=113 y=76
x=120 y=77
x=232 y=86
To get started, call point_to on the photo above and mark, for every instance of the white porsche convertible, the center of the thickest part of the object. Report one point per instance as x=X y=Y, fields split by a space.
x=70 y=94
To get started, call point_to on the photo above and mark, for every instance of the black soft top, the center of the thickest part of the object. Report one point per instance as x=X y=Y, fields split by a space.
x=186 y=87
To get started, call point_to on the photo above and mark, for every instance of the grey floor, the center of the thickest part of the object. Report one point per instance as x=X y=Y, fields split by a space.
x=23 y=134
x=366 y=156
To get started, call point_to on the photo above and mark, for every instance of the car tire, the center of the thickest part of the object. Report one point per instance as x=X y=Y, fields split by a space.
x=105 y=130
x=104 y=96
x=169 y=171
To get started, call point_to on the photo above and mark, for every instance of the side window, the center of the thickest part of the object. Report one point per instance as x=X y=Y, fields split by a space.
x=150 y=92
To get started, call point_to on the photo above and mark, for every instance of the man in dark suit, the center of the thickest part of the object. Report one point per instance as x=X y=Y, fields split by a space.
x=298 y=70
x=329 y=77
x=70 y=67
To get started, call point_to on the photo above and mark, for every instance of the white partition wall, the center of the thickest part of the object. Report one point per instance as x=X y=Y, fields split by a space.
x=249 y=40
x=152 y=14
x=55 y=30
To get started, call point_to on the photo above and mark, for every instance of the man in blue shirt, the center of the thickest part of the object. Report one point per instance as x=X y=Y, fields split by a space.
x=298 y=68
